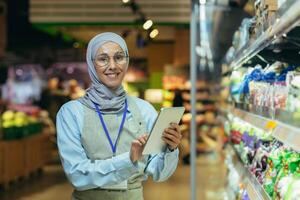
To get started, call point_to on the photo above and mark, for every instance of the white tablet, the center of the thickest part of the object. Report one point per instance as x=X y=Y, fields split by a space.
x=155 y=144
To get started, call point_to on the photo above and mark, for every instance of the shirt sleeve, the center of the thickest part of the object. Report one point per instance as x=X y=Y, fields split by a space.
x=82 y=172
x=160 y=166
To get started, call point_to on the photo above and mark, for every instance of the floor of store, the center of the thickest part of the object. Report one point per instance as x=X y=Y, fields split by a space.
x=52 y=184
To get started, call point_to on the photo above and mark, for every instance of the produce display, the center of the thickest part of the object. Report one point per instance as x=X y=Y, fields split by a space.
x=275 y=166
x=261 y=110
x=17 y=124
x=275 y=87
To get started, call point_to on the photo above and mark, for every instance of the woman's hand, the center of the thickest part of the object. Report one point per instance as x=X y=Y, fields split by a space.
x=137 y=147
x=172 y=136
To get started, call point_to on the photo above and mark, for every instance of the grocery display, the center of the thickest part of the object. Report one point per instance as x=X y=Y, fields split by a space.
x=261 y=110
x=17 y=124
x=177 y=93
x=25 y=147
x=267 y=160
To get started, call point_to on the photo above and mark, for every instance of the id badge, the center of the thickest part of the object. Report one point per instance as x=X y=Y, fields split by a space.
x=120 y=186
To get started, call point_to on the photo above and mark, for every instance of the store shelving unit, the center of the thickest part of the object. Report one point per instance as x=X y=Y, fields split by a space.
x=284 y=126
x=283 y=131
x=287 y=18
x=204 y=98
x=254 y=189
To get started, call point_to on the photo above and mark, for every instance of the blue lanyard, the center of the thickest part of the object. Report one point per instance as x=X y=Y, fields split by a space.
x=113 y=146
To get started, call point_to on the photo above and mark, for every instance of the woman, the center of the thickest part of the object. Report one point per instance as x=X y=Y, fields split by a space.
x=102 y=135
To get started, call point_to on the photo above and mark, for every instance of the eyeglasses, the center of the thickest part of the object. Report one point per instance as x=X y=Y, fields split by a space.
x=103 y=60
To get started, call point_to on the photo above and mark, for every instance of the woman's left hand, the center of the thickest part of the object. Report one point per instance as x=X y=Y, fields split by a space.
x=172 y=136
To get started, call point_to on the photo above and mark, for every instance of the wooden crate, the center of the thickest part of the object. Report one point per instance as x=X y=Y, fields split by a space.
x=19 y=158
x=37 y=152
x=270 y=5
x=1 y=162
x=34 y=152
x=13 y=160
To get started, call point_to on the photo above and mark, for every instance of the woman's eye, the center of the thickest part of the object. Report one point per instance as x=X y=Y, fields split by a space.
x=103 y=59
x=119 y=57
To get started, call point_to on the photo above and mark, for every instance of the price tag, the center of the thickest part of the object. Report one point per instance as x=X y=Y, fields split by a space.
x=271 y=125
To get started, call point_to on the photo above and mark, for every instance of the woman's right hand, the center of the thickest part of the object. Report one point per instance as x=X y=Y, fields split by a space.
x=137 y=147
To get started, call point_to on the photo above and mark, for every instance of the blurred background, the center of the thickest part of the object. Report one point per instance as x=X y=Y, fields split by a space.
x=245 y=55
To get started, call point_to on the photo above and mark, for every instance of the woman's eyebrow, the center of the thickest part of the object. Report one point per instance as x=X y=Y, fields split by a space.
x=102 y=54
x=105 y=54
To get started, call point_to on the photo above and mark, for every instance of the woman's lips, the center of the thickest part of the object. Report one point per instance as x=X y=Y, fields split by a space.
x=112 y=75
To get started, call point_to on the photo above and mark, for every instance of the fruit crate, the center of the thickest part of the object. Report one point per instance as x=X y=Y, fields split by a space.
x=19 y=158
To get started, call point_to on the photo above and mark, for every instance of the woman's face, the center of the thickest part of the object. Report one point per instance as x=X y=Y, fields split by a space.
x=111 y=64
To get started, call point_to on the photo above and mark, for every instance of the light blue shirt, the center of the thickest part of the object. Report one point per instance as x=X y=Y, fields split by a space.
x=84 y=173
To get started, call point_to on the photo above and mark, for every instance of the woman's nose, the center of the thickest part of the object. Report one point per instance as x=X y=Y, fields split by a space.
x=112 y=64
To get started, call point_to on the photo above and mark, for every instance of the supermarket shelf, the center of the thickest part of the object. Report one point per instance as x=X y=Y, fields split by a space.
x=253 y=187
x=222 y=119
x=199 y=89
x=200 y=123
x=223 y=112
x=284 y=132
x=202 y=110
x=208 y=100
x=222 y=115
x=277 y=114
x=287 y=18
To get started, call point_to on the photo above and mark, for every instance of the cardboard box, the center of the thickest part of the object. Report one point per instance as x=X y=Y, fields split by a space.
x=271 y=17
x=270 y=5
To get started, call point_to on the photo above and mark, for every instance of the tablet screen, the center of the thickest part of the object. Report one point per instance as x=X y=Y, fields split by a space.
x=155 y=144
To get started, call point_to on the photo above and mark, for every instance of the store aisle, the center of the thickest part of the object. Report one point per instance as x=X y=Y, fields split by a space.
x=211 y=180
x=53 y=185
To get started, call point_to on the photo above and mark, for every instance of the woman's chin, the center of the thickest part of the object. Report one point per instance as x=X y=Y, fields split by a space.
x=113 y=86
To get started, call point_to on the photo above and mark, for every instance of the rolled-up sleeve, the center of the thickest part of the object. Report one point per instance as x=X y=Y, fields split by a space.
x=82 y=172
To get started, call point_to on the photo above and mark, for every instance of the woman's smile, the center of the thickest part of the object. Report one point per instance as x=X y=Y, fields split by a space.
x=112 y=75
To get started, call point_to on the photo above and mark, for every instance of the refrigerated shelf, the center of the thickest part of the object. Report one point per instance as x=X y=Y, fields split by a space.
x=287 y=18
x=282 y=131
x=254 y=189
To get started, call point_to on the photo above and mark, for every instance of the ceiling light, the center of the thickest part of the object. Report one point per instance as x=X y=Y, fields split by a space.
x=147 y=24
x=125 y=1
x=153 y=33
x=202 y=2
